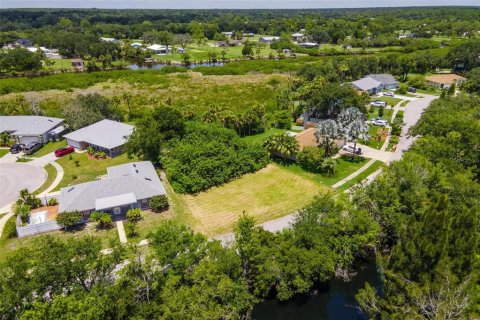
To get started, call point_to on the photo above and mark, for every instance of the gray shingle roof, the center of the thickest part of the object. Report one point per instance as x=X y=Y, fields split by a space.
x=106 y=133
x=139 y=178
x=384 y=78
x=366 y=84
x=28 y=125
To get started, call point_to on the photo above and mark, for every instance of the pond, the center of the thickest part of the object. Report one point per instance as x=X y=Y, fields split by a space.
x=335 y=301
x=152 y=66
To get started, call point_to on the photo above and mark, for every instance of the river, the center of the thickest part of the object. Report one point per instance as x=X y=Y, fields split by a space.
x=335 y=301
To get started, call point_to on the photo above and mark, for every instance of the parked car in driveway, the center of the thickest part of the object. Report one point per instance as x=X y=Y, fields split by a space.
x=379 y=103
x=380 y=122
x=32 y=147
x=351 y=149
x=412 y=90
x=63 y=151
x=17 y=147
x=388 y=94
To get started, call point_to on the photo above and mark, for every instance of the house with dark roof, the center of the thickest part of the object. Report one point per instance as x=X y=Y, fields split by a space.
x=104 y=136
x=127 y=186
x=26 y=129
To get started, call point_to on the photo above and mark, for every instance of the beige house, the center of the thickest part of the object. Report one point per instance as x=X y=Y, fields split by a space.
x=444 y=81
x=307 y=138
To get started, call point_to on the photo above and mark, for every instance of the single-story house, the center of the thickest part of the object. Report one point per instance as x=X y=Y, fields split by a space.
x=136 y=45
x=388 y=80
x=230 y=43
x=158 y=49
x=112 y=40
x=369 y=85
x=127 y=186
x=298 y=36
x=444 y=81
x=26 y=129
x=77 y=63
x=307 y=138
x=24 y=43
x=248 y=34
x=228 y=33
x=268 y=39
x=308 y=45
x=104 y=136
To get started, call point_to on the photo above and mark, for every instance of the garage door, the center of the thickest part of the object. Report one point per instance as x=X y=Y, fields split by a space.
x=73 y=143
x=27 y=140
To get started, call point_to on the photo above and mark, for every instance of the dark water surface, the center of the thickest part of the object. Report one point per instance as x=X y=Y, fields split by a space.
x=335 y=301
x=151 y=66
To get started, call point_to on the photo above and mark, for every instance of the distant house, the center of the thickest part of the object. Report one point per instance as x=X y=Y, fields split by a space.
x=405 y=35
x=24 y=43
x=268 y=39
x=388 y=80
x=444 y=81
x=248 y=34
x=77 y=63
x=297 y=36
x=26 y=129
x=181 y=50
x=228 y=33
x=158 y=49
x=111 y=40
x=369 y=85
x=136 y=45
x=104 y=136
x=127 y=186
x=308 y=45
x=230 y=43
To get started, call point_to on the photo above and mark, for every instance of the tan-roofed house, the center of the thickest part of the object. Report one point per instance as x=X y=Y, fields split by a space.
x=307 y=138
x=444 y=81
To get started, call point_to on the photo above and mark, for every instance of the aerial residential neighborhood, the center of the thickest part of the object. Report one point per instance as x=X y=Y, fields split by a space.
x=247 y=160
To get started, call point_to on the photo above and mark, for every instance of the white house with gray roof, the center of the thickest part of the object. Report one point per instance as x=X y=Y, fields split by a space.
x=127 y=186
x=107 y=136
x=375 y=83
x=389 y=82
x=26 y=129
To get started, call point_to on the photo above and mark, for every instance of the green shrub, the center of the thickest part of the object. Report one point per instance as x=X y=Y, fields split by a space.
x=103 y=219
x=329 y=167
x=130 y=230
x=402 y=89
x=159 y=203
x=10 y=228
x=311 y=158
x=68 y=219
x=52 y=202
x=134 y=215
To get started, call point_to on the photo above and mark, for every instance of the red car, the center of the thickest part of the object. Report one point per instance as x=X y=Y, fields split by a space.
x=63 y=151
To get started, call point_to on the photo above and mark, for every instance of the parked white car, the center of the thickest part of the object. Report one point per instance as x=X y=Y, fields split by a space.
x=388 y=94
x=379 y=103
x=380 y=122
x=351 y=149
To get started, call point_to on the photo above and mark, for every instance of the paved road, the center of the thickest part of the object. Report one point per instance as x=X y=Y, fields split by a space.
x=17 y=176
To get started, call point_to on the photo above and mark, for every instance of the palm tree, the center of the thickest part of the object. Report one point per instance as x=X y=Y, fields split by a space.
x=327 y=132
x=282 y=145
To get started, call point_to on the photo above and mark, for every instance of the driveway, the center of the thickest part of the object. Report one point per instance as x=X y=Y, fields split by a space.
x=17 y=176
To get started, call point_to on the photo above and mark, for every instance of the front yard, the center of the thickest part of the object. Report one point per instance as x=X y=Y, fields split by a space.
x=49 y=147
x=3 y=152
x=79 y=168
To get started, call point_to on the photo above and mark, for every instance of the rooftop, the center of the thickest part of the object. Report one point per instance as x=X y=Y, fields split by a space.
x=307 y=138
x=445 y=78
x=366 y=84
x=383 y=78
x=125 y=182
x=28 y=125
x=106 y=133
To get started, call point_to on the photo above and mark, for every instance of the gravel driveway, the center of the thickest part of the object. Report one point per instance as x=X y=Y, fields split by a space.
x=17 y=176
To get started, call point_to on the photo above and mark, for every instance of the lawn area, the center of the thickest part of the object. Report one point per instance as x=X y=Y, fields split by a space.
x=259 y=138
x=3 y=152
x=387 y=114
x=431 y=91
x=362 y=176
x=374 y=132
x=51 y=175
x=270 y=193
x=87 y=170
x=389 y=100
x=49 y=147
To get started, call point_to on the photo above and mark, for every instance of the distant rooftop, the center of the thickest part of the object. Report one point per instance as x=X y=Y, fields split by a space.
x=366 y=84
x=106 y=133
x=386 y=79
x=28 y=125
x=445 y=78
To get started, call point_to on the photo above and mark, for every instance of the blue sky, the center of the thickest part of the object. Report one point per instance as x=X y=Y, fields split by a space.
x=238 y=4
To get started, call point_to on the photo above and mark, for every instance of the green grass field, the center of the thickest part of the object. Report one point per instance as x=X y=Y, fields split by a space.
x=87 y=170
x=51 y=175
x=3 y=152
x=389 y=100
x=362 y=176
x=259 y=138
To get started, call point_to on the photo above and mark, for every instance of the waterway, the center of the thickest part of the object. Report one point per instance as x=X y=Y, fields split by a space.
x=336 y=300
x=153 y=66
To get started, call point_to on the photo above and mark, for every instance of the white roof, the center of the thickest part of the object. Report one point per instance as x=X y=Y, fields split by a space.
x=28 y=125
x=157 y=47
x=106 y=133
x=135 y=44
x=297 y=35
x=270 y=38
x=115 y=201
x=108 y=39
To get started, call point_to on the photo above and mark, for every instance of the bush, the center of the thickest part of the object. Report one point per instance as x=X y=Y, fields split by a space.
x=402 y=89
x=159 y=203
x=311 y=158
x=329 y=167
x=68 y=219
x=134 y=215
x=10 y=229
x=52 y=201
x=130 y=230
x=104 y=220
x=29 y=199
x=282 y=119
x=90 y=150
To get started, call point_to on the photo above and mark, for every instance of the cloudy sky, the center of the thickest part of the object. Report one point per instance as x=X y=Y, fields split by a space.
x=238 y=4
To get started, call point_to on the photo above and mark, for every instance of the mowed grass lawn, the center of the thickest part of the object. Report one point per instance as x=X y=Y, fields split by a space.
x=3 y=152
x=87 y=169
x=51 y=175
x=49 y=147
x=270 y=193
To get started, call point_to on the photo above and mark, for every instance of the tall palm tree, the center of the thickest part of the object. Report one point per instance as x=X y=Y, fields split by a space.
x=326 y=133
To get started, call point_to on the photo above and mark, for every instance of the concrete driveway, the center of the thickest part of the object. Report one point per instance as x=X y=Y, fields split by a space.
x=17 y=176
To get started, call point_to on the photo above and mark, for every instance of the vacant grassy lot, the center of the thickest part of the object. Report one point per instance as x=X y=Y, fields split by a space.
x=267 y=194
x=51 y=175
x=49 y=147
x=86 y=170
